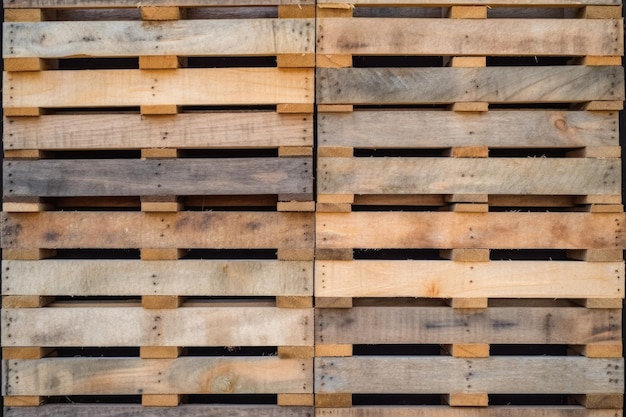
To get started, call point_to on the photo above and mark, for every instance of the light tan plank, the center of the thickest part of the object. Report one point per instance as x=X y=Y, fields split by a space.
x=511 y=230
x=115 y=376
x=397 y=36
x=451 y=85
x=444 y=325
x=519 y=279
x=64 y=4
x=496 y=375
x=215 y=86
x=544 y=176
x=221 y=37
x=445 y=411
x=186 y=326
x=120 y=131
x=163 y=230
x=495 y=129
x=127 y=278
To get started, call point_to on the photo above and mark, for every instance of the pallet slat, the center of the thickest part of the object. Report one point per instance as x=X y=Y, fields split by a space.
x=444 y=411
x=62 y=4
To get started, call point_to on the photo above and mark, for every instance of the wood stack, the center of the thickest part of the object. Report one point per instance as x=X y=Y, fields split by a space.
x=167 y=253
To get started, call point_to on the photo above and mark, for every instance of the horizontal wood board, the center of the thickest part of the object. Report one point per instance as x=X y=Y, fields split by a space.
x=445 y=411
x=61 y=4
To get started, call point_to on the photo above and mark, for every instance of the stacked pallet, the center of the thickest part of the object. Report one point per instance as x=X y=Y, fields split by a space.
x=469 y=219
x=158 y=231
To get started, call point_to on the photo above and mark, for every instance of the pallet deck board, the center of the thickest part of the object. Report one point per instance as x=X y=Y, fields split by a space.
x=539 y=176
x=495 y=129
x=444 y=325
x=459 y=37
x=133 y=376
x=499 y=3
x=219 y=230
x=110 y=177
x=495 y=375
x=452 y=85
x=188 y=86
x=62 y=4
x=510 y=230
x=520 y=279
x=227 y=37
x=445 y=411
x=135 y=326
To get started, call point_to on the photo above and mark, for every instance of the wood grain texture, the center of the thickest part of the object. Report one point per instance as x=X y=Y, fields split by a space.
x=195 y=410
x=444 y=325
x=445 y=411
x=193 y=130
x=523 y=279
x=222 y=37
x=536 y=3
x=110 y=177
x=132 y=376
x=184 y=278
x=517 y=176
x=63 y=4
x=449 y=85
x=220 y=230
x=495 y=375
x=512 y=230
x=459 y=37
x=135 y=326
x=437 y=129
x=189 y=86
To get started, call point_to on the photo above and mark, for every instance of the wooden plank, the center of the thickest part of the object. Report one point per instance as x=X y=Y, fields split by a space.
x=134 y=326
x=185 y=410
x=194 y=130
x=543 y=176
x=495 y=375
x=511 y=230
x=449 y=85
x=130 y=277
x=220 y=230
x=444 y=325
x=398 y=36
x=220 y=37
x=192 y=375
x=445 y=411
x=64 y=4
x=109 y=177
x=519 y=279
x=211 y=86
x=532 y=3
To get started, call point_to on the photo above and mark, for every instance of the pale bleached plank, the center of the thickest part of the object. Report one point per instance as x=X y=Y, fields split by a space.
x=442 y=279
x=132 y=376
x=220 y=230
x=70 y=4
x=444 y=230
x=186 y=410
x=397 y=36
x=445 y=411
x=190 y=86
x=135 y=326
x=109 y=177
x=444 y=325
x=193 y=130
x=130 y=277
x=449 y=85
x=495 y=129
x=539 y=176
x=223 y=37
x=495 y=375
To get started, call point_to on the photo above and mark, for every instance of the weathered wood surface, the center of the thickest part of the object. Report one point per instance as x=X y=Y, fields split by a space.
x=62 y=4
x=192 y=130
x=444 y=230
x=132 y=376
x=124 y=177
x=130 y=277
x=450 y=85
x=189 y=86
x=439 y=129
x=495 y=375
x=223 y=37
x=542 y=176
x=499 y=3
x=445 y=411
x=500 y=279
x=220 y=230
x=444 y=325
x=381 y=36
x=195 y=410
x=135 y=326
